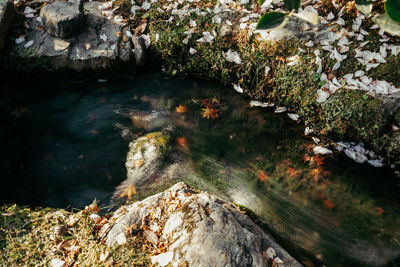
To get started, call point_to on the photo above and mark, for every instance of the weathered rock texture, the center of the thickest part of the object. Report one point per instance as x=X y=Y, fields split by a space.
x=99 y=46
x=62 y=19
x=6 y=14
x=198 y=229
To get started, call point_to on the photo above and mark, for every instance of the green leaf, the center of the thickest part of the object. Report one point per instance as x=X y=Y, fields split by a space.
x=392 y=8
x=271 y=21
x=310 y=17
x=264 y=2
x=292 y=4
x=387 y=24
x=364 y=6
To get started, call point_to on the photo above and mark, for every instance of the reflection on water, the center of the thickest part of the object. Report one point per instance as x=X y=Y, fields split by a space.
x=68 y=146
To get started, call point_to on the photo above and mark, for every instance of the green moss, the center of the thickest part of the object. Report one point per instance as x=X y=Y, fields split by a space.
x=31 y=238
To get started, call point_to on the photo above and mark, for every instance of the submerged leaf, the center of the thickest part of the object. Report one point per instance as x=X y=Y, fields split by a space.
x=272 y=20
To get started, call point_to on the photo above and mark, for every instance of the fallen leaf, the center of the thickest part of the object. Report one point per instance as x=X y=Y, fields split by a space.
x=380 y=210
x=210 y=113
x=181 y=141
x=263 y=176
x=128 y=192
x=181 y=109
x=329 y=204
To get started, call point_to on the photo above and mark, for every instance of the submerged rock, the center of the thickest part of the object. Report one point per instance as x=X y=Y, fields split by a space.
x=198 y=229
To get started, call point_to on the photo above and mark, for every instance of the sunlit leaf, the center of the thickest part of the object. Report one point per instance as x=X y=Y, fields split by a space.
x=310 y=17
x=364 y=6
x=272 y=20
x=387 y=24
x=292 y=4
x=392 y=8
x=128 y=192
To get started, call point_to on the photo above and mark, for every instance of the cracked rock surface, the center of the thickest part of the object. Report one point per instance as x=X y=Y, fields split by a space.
x=196 y=228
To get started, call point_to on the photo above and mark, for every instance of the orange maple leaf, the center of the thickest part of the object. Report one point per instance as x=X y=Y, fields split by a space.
x=181 y=109
x=128 y=192
x=263 y=176
x=210 y=113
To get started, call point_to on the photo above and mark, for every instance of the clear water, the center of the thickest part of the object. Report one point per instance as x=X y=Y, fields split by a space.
x=65 y=143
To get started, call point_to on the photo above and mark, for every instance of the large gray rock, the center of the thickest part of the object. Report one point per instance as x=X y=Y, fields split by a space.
x=63 y=19
x=99 y=46
x=198 y=229
x=6 y=14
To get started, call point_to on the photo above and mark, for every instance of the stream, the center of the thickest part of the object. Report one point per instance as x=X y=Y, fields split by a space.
x=64 y=144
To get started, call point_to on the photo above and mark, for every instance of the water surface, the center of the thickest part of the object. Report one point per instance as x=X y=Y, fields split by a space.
x=66 y=145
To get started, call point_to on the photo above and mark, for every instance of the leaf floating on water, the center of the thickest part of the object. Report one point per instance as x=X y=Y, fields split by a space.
x=128 y=192
x=322 y=150
x=181 y=109
x=238 y=88
x=280 y=110
x=210 y=113
x=293 y=116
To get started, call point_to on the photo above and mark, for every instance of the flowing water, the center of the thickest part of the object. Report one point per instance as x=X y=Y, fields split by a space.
x=65 y=143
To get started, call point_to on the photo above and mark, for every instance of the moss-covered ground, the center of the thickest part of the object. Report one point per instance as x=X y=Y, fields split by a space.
x=35 y=237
